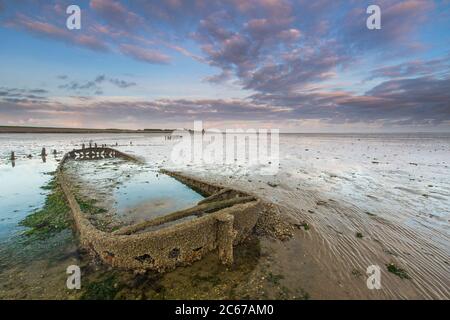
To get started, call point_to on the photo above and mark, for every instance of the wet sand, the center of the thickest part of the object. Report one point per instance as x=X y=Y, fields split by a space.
x=393 y=191
x=410 y=230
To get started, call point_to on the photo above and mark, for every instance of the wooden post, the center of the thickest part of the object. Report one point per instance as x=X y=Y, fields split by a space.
x=225 y=238
x=43 y=153
x=13 y=157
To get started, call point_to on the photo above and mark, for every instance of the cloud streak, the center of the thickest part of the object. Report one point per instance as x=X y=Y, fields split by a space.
x=45 y=29
x=94 y=85
x=145 y=55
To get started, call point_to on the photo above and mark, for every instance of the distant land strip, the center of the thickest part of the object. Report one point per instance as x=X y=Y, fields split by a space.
x=20 y=129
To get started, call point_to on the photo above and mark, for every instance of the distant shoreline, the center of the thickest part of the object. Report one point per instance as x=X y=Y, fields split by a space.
x=24 y=129
x=19 y=129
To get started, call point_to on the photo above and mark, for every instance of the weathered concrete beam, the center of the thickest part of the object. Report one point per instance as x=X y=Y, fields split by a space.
x=215 y=196
x=199 y=209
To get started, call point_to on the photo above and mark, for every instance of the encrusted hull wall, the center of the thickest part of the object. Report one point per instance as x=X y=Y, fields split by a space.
x=170 y=246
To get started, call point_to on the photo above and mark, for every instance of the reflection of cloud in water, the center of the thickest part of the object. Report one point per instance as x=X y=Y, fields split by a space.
x=20 y=191
x=133 y=192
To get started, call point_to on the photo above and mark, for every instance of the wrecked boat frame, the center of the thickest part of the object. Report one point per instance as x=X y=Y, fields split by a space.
x=225 y=218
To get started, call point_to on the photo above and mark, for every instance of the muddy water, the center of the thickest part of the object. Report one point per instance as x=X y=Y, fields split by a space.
x=393 y=189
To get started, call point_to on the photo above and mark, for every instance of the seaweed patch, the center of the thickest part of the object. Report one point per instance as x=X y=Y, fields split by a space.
x=52 y=218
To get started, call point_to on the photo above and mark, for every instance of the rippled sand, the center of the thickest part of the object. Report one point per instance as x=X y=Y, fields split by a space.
x=393 y=189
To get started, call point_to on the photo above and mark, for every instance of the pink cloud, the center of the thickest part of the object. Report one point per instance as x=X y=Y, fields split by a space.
x=146 y=55
x=60 y=33
x=290 y=35
x=115 y=14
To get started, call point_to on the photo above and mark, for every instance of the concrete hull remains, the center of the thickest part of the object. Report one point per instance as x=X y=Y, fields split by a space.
x=222 y=220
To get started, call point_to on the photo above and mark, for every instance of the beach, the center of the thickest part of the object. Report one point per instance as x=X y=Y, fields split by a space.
x=350 y=200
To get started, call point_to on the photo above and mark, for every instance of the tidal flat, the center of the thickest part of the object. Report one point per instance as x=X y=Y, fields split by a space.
x=351 y=201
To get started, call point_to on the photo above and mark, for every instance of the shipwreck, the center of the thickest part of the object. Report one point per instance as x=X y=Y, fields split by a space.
x=223 y=219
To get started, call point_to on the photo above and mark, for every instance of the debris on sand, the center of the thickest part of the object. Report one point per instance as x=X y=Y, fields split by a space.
x=392 y=268
x=305 y=225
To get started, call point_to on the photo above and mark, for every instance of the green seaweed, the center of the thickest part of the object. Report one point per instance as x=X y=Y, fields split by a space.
x=305 y=225
x=356 y=273
x=51 y=218
x=392 y=268
x=274 y=278
x=88 y=206
x=212 y=279
x=302 y=295
x=50 y=185
x=94 y=213
x=105 y=289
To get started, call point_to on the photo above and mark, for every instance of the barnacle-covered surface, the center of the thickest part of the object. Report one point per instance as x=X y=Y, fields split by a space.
x=219 y=224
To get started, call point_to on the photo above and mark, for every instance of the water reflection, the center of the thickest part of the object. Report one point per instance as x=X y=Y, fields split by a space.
x=135 y=192
x=20 y=191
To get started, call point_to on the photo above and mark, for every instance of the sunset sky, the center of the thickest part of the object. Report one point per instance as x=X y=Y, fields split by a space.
x=305 y=66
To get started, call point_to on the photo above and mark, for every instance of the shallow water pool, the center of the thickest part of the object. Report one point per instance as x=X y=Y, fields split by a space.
x=133 y=192
x=21 y=192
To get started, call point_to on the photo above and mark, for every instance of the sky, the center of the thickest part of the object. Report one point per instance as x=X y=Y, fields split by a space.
x=297 y=66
